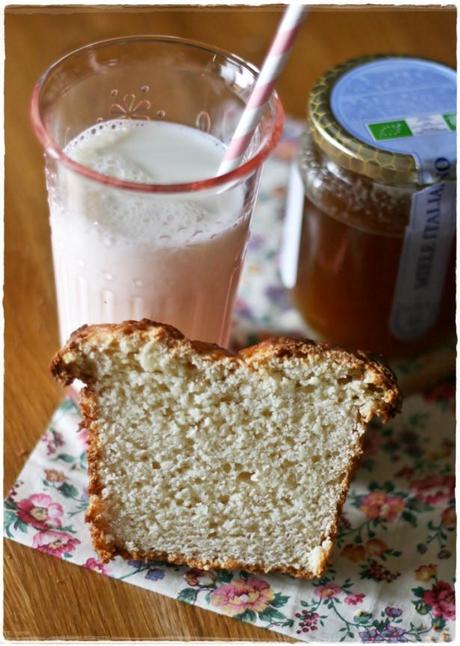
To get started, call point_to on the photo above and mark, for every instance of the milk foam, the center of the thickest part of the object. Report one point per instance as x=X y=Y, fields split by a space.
x=152 y=151
x=158 y=153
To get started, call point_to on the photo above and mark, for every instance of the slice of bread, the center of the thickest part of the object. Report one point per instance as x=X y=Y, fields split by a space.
x=200 y=457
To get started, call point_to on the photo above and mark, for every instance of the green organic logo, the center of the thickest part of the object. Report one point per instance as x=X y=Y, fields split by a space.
x=451 y=119
x=390 y=130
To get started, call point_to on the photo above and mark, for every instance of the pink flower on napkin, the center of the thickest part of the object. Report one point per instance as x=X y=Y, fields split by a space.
x=238 y=596
x=95 y=565
x=379 y=504
x=40 y=511
x=327 y=591
x=441 y=598
x=354 y=599
x=55 y=543
x=434 y=489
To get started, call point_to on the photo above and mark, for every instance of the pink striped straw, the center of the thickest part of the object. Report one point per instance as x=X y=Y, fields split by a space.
x=272 y=67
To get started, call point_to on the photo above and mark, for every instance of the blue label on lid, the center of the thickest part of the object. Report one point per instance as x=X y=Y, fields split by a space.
x=403 y=105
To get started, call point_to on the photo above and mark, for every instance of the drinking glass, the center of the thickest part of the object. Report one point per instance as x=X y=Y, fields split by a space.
x=116 y=255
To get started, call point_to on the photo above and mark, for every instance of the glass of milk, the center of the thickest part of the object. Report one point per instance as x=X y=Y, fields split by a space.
x=134 y=130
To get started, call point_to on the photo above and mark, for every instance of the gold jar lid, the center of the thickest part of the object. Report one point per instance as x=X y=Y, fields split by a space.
x=347 y=150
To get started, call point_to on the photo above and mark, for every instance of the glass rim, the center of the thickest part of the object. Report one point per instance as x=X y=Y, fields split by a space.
x=57 y=153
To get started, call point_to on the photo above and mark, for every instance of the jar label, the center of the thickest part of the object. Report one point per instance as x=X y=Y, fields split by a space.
x=413 y=126
x=424 y=260
x=292 y=231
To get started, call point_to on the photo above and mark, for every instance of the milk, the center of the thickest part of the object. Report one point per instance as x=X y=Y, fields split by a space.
x=121 y=254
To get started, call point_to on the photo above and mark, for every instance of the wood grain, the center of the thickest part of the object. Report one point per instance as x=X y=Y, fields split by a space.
x=45 y=598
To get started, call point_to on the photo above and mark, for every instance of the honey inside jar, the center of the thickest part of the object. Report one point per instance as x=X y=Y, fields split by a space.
x=351 y=243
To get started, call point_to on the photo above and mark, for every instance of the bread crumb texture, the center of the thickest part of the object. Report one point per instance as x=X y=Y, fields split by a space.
x=210 y=459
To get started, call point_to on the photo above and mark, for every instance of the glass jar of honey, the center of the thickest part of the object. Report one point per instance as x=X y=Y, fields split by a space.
x=368 y=251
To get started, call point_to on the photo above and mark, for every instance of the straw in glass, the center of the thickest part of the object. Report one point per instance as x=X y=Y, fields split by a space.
x=272 y=67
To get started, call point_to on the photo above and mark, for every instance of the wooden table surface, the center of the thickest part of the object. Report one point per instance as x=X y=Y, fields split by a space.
x=44 y=597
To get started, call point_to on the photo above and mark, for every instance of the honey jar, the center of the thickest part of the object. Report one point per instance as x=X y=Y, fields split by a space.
x=368 y=250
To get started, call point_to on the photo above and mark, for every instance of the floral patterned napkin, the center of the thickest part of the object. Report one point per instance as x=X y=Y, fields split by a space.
x=391 y=574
